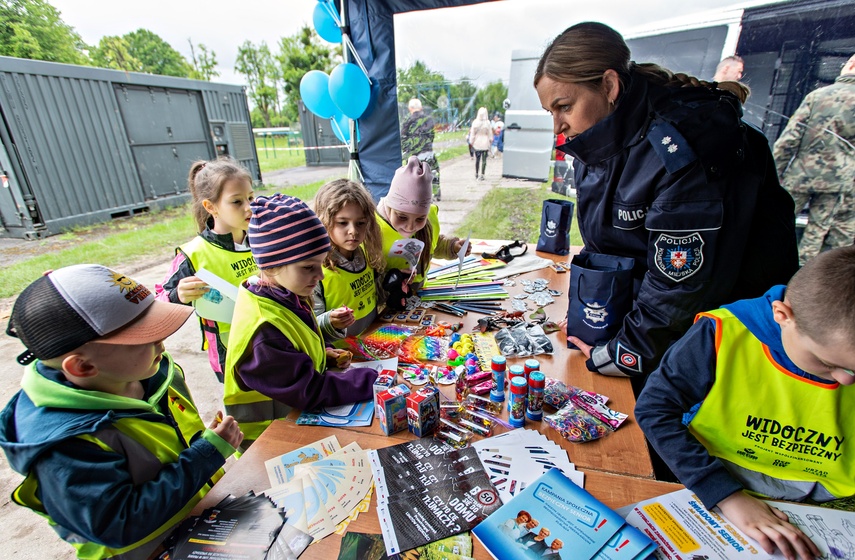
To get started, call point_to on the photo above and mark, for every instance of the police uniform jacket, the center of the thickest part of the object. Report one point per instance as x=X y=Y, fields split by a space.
x=676 y=180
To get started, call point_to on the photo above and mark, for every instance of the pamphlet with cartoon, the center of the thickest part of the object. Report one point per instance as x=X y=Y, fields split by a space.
x=410 y=250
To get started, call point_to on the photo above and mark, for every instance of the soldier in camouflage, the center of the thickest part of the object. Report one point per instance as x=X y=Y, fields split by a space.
x=417 y=140
x=815 y=157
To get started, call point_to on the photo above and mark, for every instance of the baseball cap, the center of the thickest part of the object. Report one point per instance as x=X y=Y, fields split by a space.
x=70 y=306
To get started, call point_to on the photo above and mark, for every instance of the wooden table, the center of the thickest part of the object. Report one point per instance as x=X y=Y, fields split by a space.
x=624 y=451
x=283 y=436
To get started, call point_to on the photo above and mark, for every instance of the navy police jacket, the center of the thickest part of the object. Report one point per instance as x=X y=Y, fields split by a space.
x=676 y=180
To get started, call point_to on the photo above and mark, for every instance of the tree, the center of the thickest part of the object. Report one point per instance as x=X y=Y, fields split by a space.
x=420 y=81
x=463 y=99
x=257 y=66
x=491 y=96
x=298 y=54
x=156 y=55
x=113 y=52
x=34 y=29
x=204 y=65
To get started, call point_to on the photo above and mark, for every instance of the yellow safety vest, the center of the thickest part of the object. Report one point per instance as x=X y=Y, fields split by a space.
x=390 y=235
x=253 y=410
x=356 y=290
x=152 y=445
x=763 y=418
x=232 y=266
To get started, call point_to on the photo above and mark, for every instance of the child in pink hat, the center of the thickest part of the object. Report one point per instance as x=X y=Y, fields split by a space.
x=406 y=212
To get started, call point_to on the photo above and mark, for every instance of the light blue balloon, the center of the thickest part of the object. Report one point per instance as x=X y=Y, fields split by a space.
x=315 y=92
x=325 y=24
x=341 y=128
x=350 y=89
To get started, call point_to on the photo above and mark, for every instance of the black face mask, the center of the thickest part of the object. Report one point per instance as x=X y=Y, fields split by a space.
x=504 y=253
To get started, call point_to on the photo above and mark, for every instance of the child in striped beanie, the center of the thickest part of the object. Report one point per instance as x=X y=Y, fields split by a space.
x=277 y=359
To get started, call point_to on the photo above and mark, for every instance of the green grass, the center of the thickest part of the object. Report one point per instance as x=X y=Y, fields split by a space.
x=512 y=214
x=278 y=156
x=133 y=239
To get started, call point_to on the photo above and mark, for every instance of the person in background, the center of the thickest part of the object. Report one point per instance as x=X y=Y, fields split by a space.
x=346 y=300
x=417 y=135
x=729 y=69
x=667 y=173
x=815 y=157
x=104 y=428
x=481 y=138
x=784 y=359
x=221 y=191
x=498 y=145
x=277 y=359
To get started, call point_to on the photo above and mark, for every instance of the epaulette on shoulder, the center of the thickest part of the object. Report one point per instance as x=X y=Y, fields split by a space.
x=671 y=147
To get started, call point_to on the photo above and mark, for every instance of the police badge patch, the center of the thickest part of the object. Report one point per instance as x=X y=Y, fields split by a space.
x=679 y=257
x=628 y=359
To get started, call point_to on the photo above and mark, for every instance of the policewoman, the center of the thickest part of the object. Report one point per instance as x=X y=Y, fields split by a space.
x=668 y=174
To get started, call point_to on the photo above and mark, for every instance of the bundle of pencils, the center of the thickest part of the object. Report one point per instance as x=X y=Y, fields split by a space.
x=472 y=282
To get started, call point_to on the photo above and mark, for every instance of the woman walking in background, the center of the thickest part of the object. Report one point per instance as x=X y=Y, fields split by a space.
x=481 y=138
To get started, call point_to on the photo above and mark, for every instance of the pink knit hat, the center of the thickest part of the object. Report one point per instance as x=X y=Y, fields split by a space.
x=410 y=190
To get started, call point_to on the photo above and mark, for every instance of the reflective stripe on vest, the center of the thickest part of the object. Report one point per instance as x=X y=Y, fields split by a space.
x=232 y=266
x=251 y=409
x=355 y=290
x=147 y=446
x=390 y=235
x=763 y=418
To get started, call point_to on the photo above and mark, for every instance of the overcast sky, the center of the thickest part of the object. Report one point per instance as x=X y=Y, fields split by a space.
x=474 y=41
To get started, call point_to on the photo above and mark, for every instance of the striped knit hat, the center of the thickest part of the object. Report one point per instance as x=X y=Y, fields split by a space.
x=283 y=230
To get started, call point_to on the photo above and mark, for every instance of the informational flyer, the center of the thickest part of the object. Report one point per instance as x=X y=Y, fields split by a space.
x=686 y=530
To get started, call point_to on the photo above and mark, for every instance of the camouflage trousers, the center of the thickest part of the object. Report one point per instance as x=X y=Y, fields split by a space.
x=831 y=222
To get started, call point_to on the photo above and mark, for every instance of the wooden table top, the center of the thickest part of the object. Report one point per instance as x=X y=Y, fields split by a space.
x=248 y=473
x=623 y=451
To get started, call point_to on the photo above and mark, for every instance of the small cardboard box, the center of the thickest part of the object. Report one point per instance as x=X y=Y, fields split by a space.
x=385 y=381
x=423 y=411
x=392 y=409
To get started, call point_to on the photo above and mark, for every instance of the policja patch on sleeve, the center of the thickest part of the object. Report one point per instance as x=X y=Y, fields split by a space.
x=679 y=257
x=670 y=146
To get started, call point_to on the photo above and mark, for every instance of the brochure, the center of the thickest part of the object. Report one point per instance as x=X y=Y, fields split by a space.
x=354 y=414
x=553 y=514
x=454 y=495
x=685 y=529
x=218 y=303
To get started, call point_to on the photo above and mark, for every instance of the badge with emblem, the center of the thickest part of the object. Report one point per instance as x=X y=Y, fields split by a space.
x=628 y=359
x=679 y=257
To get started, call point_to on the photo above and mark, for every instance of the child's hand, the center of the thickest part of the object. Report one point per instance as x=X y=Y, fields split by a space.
x=341 y=357
x=455 y=248
x=191 y=289
x=768 y=526
x=341 y=318
x=228 y=429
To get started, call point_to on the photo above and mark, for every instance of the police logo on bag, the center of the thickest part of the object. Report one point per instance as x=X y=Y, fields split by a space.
x=679 y=257
x=551 y=229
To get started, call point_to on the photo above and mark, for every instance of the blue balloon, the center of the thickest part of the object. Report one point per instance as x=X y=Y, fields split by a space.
x=350 y=89
x=325 y=23
x=341 y=128
x=315 y=92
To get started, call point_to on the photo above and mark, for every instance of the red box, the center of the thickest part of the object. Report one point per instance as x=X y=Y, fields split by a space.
x=385 y=381
x=423 y=411
x=391 y=407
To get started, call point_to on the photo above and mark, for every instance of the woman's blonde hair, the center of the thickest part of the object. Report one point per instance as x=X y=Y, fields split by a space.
x=583 y=52
x=334 y=196
x=206 y=182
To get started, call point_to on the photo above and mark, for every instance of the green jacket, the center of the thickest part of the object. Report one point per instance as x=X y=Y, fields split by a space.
x=816 y=151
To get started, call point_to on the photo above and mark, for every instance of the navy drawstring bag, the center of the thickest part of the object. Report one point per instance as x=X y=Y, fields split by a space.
x=555 y=219
x=600 y=296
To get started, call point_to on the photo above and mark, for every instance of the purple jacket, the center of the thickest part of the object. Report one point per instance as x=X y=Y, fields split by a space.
x=275 y=368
